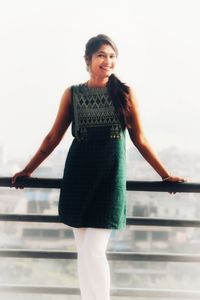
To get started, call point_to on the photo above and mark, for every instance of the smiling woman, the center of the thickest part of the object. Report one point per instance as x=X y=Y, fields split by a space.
x=93 y=191
x=103 y=60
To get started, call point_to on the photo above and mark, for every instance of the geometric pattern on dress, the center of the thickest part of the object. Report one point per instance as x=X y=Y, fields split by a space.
x=94 y=110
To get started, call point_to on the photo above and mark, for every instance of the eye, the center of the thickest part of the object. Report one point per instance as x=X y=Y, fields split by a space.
x=101 y=55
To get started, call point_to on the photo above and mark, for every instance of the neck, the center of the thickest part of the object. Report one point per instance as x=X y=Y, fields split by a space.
x=97 y=82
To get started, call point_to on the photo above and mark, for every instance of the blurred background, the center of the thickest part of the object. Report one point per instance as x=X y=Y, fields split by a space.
x=41 y=54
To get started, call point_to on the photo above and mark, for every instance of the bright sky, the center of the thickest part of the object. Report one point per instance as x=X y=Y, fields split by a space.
x=41 y=53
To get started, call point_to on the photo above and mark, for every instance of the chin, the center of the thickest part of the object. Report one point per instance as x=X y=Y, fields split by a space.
x=107 y=74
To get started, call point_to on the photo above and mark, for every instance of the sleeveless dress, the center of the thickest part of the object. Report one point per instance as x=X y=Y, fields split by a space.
x=93 y=189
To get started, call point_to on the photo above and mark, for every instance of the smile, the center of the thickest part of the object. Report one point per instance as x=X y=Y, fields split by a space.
x=105 y=68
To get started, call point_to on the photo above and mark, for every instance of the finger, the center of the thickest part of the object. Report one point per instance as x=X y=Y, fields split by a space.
x=16 y=186
x=181 y=178
x=19 y=187
x=13 y=180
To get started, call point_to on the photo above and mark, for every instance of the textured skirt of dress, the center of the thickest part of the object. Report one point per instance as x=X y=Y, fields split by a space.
x=93 y=190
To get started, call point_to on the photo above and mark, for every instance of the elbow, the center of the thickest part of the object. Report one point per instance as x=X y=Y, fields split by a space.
x=139 y=142
x=53 y=139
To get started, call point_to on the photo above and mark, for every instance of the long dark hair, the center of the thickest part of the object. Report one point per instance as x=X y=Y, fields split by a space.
x=119 y=91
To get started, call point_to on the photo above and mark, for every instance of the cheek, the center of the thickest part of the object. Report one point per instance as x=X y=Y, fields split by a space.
x=114 y=63
x=94 y=63
x=94 y=67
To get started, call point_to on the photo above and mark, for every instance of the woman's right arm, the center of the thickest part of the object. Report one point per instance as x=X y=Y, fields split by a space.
x=53 y=138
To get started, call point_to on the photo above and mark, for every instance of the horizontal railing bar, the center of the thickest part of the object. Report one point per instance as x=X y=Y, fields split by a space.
x=140 y=221
x=154 y=186
x=117 y=292
x=30 y=218
x=124 y=256
x=31 y=289
x=145 y=221
x=32 y=182
x=161 y=186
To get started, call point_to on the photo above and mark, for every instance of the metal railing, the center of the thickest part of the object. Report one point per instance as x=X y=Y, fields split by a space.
x=123 y=256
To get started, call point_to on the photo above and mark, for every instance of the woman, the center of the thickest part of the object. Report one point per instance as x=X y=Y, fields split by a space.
x=93 y=192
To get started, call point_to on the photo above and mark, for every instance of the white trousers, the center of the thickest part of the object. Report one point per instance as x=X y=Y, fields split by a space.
x=93 y=267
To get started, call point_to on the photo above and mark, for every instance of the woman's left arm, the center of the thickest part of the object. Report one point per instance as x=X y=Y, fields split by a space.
x=138 y=138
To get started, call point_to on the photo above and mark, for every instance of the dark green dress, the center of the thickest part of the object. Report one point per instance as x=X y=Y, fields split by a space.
x=93 y=190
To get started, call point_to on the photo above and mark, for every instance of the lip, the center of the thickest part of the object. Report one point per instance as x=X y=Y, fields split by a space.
x=105 y=68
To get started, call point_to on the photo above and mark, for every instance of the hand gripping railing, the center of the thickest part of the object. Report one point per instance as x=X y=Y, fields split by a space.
x=124 y=256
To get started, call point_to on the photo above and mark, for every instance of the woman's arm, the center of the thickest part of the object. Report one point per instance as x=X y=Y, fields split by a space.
x=53 y=138
x=138 y=138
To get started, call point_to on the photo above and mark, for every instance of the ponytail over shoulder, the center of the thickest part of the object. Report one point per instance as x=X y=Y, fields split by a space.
x=119 y=93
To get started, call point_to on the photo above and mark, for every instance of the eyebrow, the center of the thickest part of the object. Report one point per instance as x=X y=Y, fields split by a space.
x=106 y=52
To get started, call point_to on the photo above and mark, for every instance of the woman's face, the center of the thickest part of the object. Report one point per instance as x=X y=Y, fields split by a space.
x=103 y=62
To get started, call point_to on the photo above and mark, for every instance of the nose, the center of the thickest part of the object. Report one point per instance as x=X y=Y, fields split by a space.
x=108 y=61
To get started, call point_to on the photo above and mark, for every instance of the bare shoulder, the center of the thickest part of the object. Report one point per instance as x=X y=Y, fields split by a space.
x=66 y=98
x=64 y=114
x=132 y=96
